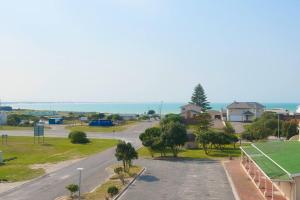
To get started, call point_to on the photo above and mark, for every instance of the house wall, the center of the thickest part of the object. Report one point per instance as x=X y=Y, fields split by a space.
x=239 y=113
x=189 y=114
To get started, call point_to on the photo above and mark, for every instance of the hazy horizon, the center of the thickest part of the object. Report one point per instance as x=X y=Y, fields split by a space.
x=149 y=50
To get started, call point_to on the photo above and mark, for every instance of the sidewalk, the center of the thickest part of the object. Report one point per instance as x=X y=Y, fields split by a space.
x=244 y=186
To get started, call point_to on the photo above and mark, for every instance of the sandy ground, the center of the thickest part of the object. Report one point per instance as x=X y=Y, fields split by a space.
x=51 y=167
x=7 y=186
x=48 y=167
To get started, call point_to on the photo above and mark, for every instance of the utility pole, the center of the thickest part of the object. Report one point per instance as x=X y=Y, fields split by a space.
x=160 y=108
x=278 y=128
x=79 y=182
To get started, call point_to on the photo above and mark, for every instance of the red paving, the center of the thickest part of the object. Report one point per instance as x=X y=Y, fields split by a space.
x=244 y=185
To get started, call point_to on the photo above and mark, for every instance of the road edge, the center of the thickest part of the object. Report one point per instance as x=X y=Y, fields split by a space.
x=129 y=184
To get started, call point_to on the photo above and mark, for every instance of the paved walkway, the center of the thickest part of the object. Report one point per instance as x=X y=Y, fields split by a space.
x=184 y=180
x=244 y=186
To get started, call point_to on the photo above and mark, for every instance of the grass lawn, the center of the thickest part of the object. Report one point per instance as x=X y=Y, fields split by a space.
x=284 y=153
x=194 y=127
x=8 y=128
x=86 y=128
x=196 y=153
x=18 y=128
x=54 y=150
x=101 y=192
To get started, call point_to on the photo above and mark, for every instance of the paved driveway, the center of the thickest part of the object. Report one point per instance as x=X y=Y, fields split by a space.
x=172 y=180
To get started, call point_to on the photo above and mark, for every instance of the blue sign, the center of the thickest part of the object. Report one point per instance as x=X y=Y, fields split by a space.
x=38 y=130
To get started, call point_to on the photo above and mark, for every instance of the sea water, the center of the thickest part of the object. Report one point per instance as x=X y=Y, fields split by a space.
x=132 y=108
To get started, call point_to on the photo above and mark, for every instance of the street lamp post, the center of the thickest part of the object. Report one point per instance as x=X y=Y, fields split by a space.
x=79 y=183
x=278 y=128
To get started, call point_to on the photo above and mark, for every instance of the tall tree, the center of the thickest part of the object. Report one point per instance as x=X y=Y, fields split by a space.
x=150 y=138
x=125 y=152
x=205 y=122
x=199 y=98
x=174 y=136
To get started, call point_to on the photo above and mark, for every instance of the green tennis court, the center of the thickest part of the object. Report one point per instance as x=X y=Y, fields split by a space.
x=279 y=160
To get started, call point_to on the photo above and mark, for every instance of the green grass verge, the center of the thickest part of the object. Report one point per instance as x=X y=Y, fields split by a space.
x=194 y=128
x=18 y=128
x=54 y=150
x=196 y=153
x=284 y=153
x=8 y=128
x=100 y=129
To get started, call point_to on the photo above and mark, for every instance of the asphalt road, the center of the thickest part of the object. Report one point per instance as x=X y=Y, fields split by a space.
x=53 y=185
x=184 y=180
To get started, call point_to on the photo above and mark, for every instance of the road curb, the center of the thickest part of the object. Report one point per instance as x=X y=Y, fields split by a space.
x=234 y=191
x=129 y=184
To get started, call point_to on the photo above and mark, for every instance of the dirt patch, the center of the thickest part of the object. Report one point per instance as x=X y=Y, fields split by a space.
x=51 y=167
x=7 y=186
x=48 y=167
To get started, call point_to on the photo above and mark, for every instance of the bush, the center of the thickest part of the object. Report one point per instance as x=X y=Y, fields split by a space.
x=72 y=188
x=112 y=191
x=78 y=137
x=119 y=172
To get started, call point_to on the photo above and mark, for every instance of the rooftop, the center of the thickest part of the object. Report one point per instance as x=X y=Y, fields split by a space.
x=279 y=160
x=245 y=105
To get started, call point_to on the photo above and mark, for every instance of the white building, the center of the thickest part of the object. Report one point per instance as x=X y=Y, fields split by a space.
x=128 y=116
x=3 y=118
x=244 y=111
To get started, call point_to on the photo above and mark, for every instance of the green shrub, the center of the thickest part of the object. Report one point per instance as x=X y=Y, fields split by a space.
x=112 y=191
x=118 y=170
x=72 y=188
x=78 y=137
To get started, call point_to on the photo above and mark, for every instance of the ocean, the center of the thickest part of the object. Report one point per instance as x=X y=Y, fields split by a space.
x=129 y=108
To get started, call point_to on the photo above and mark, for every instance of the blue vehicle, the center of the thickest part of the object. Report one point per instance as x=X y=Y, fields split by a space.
x=101 y=122
x=55 y=121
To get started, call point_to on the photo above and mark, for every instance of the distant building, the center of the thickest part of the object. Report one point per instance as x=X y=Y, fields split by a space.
x=3 y=118
x=215 y=114
x=278 y=111
x=6 y=108
x=128 y=116
x=84 y=119
x=244 y=111
x=190 y=111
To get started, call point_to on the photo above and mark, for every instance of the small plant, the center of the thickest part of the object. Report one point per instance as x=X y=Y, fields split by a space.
x=112 y=191
x=78 y=137
x=120 y=172
x=73 y=188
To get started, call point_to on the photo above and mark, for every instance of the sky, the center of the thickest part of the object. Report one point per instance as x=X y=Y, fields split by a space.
x=149 y=50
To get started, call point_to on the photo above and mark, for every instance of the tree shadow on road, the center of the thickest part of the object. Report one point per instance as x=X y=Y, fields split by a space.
x=148 y=178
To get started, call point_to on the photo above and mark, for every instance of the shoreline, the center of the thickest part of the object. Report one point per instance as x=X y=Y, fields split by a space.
x=123 y=108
